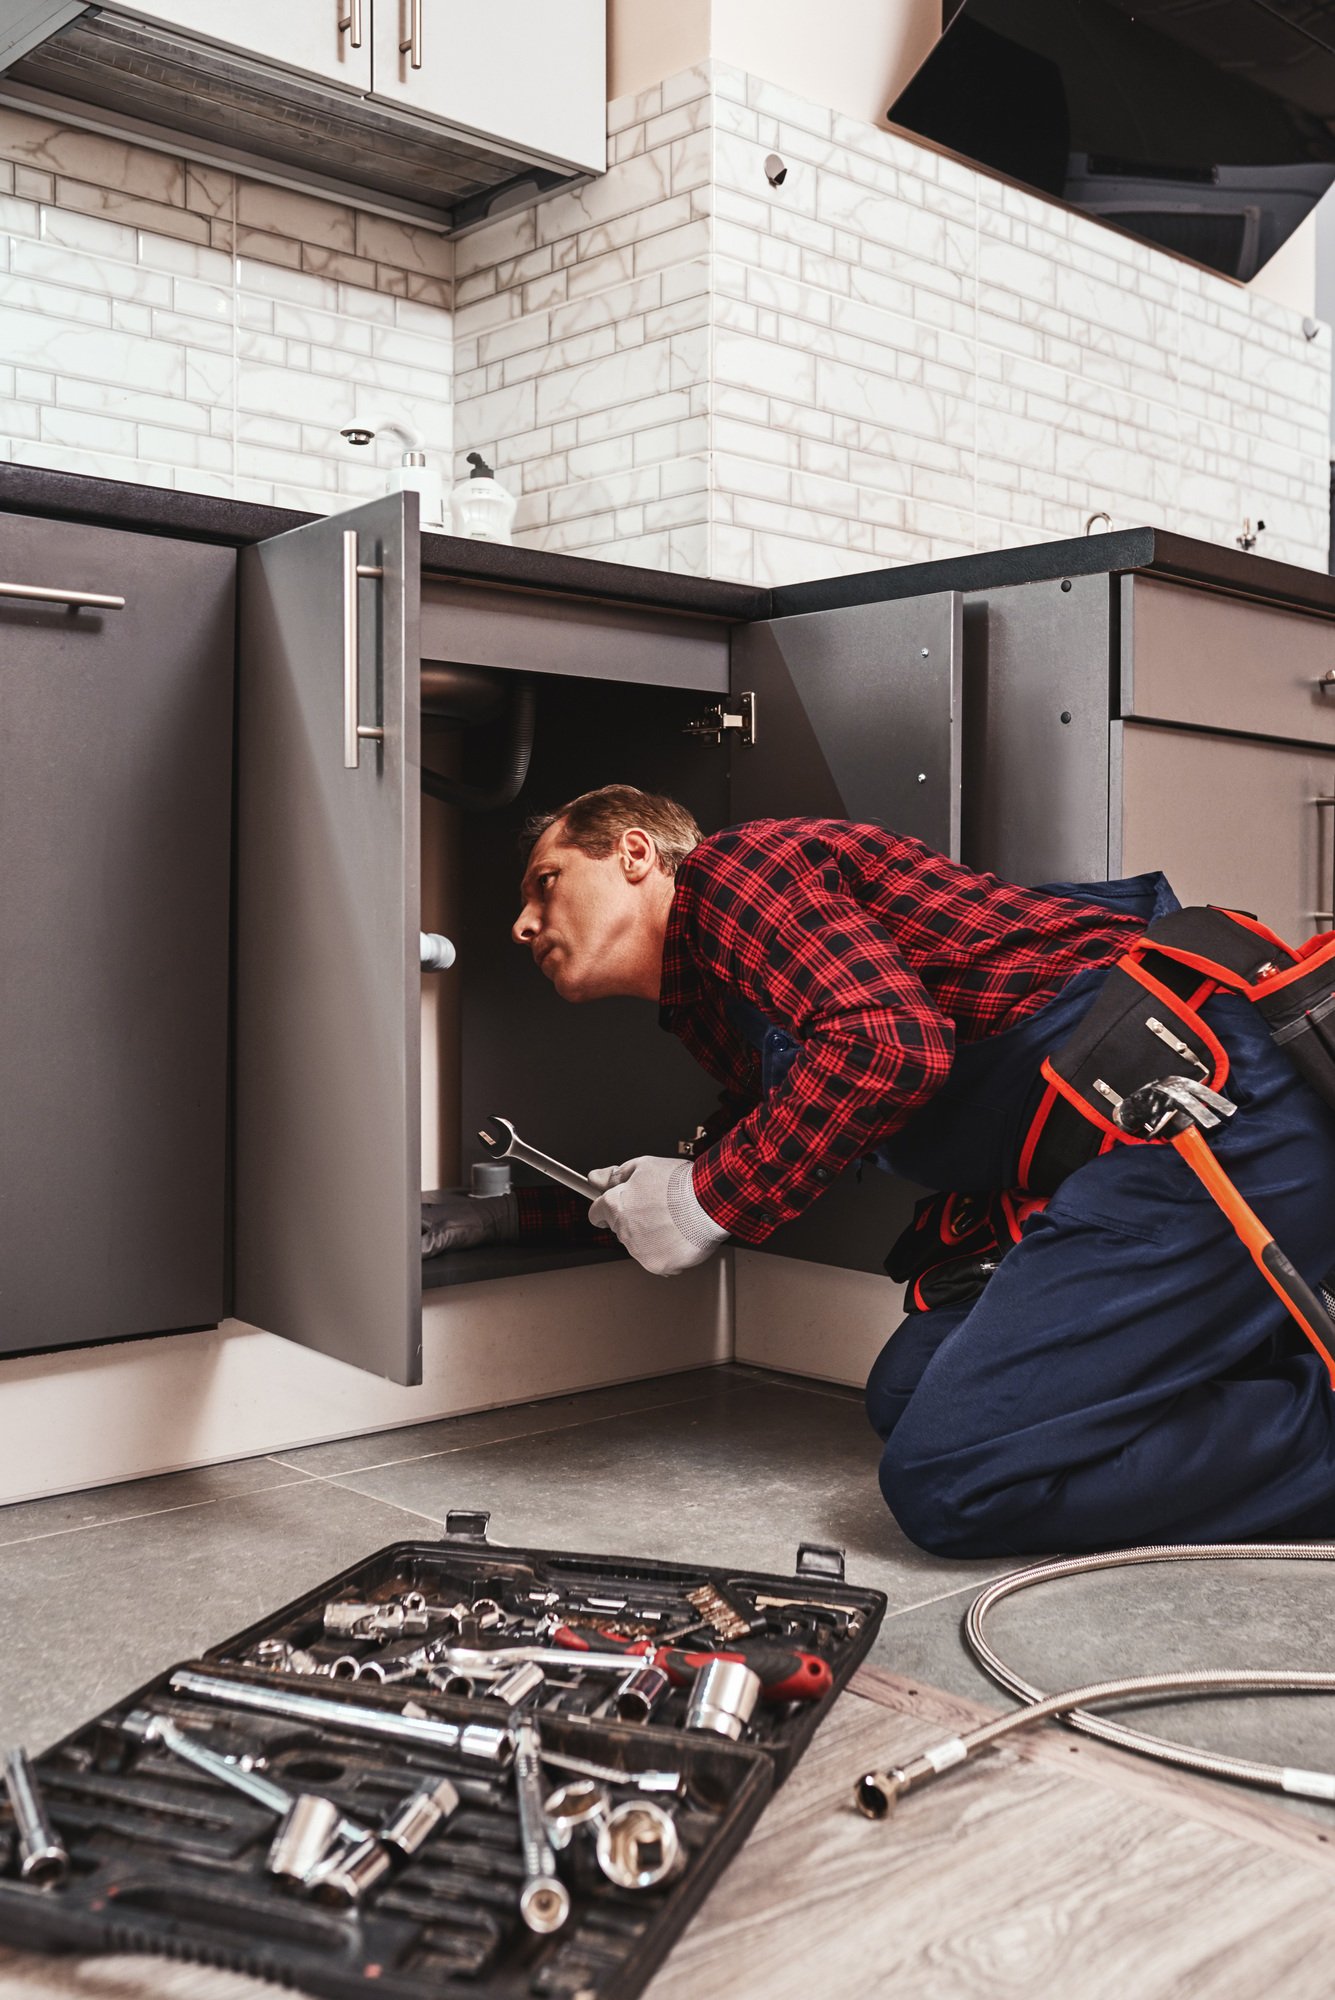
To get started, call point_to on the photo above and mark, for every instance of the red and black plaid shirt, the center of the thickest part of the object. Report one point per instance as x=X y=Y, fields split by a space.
x=877 y=955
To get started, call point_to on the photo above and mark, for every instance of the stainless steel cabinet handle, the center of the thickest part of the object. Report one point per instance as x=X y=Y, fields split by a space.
x=37 y=594
x=1324 y=916
x=352 y=20
x=412 y=48
x=1326 y=682
x=353 y=731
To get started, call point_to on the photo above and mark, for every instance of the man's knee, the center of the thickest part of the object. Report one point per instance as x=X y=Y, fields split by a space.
x=919 y=1493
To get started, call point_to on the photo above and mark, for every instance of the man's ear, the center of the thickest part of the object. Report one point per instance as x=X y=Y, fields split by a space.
x=637 y=854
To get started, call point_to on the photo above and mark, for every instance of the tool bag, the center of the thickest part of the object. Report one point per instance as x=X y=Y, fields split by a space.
x=1146 y=1023
x=954 y=1244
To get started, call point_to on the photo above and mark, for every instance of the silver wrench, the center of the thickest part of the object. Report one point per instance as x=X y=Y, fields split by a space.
x=501 y=1140
x=147 y=1728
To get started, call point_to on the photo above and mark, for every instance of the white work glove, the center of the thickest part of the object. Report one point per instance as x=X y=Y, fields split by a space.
x=650 y=1206
x=458 y=1221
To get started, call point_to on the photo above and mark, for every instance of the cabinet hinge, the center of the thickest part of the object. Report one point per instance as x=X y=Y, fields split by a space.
x=737 y=713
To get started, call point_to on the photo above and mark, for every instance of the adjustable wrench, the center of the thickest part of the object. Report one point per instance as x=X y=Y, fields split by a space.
x=501 y=1140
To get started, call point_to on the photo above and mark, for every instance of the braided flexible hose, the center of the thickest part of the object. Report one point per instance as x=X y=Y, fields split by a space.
x=1206 y=1762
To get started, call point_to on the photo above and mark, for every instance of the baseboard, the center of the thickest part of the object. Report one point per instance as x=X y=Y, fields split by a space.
x=811 y=1319
x=94 y=1416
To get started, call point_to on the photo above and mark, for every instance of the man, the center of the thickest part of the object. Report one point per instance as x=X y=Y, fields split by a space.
x=1121 y=1372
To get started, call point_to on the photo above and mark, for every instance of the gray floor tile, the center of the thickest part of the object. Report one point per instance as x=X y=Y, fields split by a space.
x=89 y=1615
x=925 y=1645
x=64 y=1513
x=741 y=1477
x=393 y=1447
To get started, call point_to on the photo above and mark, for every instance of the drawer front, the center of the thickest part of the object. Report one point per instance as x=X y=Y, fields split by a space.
x=1220 y=662
x=1229 y=822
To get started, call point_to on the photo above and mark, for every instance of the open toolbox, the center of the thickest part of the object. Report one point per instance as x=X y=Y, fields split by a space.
x=383 y=1742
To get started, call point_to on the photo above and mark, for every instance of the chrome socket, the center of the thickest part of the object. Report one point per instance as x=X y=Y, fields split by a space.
x=515 y=1687
x=723 y=1698
x=411 y=1826
x=302 y=1843
x=349 y=1874
x=641 y=1693
x=576 y=1808
x=639 y=1846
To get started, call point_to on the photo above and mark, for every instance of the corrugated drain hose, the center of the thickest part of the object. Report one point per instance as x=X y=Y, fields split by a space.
x=490 y=798
x=877 y=1791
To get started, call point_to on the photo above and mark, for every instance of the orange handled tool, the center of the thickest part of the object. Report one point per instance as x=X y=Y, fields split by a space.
x=1180 y=1110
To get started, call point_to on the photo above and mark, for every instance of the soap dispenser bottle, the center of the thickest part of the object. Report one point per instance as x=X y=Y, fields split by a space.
x=483 y=509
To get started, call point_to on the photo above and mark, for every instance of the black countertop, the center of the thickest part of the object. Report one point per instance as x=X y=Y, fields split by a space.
x=1150 y=551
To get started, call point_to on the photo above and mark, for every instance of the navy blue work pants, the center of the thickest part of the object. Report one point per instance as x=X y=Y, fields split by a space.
x=1127 y=1375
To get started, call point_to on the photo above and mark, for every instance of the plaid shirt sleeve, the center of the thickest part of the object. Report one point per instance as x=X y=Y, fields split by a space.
x=772 y=919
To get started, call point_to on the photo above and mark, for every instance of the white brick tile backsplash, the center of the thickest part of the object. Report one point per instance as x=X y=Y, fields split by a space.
x=889 y=358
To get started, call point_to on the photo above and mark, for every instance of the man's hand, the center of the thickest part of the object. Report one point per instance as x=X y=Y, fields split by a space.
x=458 y=1221
x=650 y=1206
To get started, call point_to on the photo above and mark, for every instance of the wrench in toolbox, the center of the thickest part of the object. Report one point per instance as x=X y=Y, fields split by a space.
x=786 y=1674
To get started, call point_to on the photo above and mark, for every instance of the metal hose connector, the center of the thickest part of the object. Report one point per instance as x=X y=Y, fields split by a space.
x=1206 y=1763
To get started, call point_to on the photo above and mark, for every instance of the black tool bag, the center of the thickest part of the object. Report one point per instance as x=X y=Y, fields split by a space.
x=1301 y=1014
x=166 y=1859
x=954 y=1244
x=1147 y=1023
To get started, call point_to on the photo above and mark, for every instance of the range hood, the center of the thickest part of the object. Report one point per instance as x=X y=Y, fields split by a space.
x=156 y=84
x=1205 y=127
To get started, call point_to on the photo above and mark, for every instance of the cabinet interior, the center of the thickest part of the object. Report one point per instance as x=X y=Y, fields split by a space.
x=591 y=1084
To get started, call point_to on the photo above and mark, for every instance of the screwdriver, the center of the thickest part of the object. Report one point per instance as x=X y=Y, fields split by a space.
x=785 y=1673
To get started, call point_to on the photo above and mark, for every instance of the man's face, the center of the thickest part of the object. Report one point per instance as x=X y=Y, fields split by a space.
x=580 y=918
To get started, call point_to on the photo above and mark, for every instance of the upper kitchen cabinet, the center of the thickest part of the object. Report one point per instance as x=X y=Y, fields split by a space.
x=439 y=113
x=529 y=73
x=328 y=39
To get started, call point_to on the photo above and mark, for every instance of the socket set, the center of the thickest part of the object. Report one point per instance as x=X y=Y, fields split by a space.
x=453 y=1768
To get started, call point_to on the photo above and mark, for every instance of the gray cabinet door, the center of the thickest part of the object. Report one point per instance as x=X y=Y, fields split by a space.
x=328 y=1168
x=858 y=716
x=115 y=749
x=1230 y=821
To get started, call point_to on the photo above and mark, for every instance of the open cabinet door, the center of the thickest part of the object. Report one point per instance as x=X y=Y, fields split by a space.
x=328 y=1162
x=856 y=716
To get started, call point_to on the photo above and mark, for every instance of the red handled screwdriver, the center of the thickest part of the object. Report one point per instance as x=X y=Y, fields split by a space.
x=785 y=1674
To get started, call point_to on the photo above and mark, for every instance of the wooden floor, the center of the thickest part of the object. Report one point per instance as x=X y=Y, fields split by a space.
x=1053 y=1870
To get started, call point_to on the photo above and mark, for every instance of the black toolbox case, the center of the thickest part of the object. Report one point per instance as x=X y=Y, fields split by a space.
x=166 y=1860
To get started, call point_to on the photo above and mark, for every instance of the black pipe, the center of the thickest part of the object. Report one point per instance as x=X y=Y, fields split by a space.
x=490 y=798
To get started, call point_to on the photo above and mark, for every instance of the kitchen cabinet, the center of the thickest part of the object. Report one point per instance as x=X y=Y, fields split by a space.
x=1048 y=726
x=530 y=74
x=853 y=715
x=115 y=820
x=1223 y=753
x=328 y=39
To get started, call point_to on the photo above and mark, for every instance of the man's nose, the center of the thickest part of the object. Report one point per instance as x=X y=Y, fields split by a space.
x=526 y=926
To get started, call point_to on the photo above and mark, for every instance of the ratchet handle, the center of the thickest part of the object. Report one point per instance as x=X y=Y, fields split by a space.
x=786 y=1674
